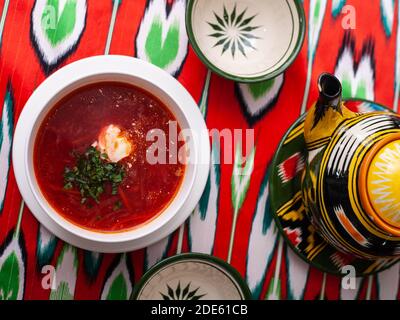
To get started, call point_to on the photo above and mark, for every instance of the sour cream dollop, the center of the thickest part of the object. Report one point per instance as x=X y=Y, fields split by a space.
x=113 y=143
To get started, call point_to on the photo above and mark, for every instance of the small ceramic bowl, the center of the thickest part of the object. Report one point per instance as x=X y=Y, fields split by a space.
x=143 y=75
x=247 y=40
x=192 y=276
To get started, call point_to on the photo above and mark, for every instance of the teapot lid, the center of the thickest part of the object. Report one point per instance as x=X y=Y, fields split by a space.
x=379 y=184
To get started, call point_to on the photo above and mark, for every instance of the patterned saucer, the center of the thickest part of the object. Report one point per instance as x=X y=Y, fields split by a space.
x=246 y=40
x=192 y=276
x=288 y=210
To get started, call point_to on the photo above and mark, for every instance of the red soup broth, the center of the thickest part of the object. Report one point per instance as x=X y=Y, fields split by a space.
x=75 y=123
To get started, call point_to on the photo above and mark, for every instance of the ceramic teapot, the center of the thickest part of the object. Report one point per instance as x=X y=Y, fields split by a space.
x=351 y=181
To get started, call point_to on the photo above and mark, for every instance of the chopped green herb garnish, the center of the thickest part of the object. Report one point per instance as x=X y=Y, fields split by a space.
x=92 y=173
x=117 y=205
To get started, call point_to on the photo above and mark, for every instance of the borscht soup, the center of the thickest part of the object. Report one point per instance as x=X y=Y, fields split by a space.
x=91 y=157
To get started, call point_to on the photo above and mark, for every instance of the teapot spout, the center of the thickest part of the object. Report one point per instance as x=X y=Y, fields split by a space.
x=327 y=113
x=330 y=92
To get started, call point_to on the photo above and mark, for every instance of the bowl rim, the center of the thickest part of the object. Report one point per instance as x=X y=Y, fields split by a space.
x=66 y=229
x=67 y=85
x=266 y=76
x=225 y=267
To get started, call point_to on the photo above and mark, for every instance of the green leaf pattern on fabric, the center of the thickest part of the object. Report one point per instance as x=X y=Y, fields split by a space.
x=9 y=278
x=159 y=51
x=118 y=289
x=162 y=38
x=63 y=292
x=274 y=290
x=241 y=177
x=65 y=274
x=12 y=271
x=56 y=23
x=56 y=28
x=240 y=183
x=118 y=285
x=257 y=98
x=357 y=82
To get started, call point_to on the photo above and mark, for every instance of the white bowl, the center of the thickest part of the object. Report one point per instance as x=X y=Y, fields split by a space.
x=153 y=80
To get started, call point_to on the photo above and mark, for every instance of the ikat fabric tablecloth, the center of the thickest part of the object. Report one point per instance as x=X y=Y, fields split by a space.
x=358 y=41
